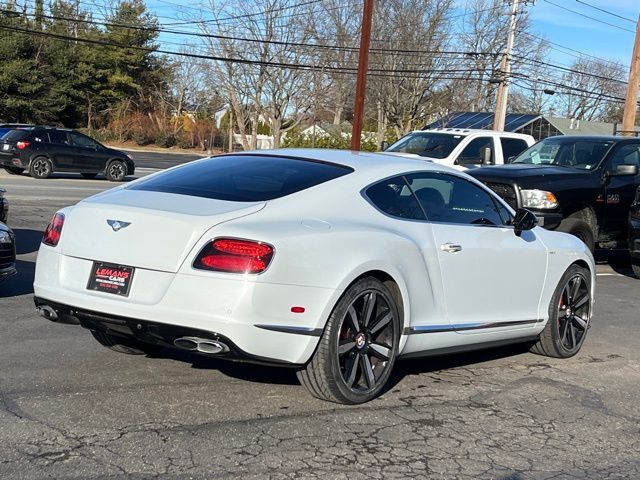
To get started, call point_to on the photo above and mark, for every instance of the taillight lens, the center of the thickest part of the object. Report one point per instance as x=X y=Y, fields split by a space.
x=234 y=256
x=22 y=145
x=54 y=230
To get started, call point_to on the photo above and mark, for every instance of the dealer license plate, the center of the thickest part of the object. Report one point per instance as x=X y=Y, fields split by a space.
x=110 y=278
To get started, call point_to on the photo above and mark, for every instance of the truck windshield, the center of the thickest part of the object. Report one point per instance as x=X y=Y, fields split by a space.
x=427 y=144
x=566 y=152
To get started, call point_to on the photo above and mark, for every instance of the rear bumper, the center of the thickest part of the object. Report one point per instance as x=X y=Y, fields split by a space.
x=252 y=316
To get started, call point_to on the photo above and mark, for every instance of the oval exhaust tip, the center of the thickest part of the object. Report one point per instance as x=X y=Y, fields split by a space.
x=212 y=347
x=186 y=343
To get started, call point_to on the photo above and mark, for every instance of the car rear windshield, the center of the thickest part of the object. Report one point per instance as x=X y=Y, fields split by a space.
x=243 y=178
x=15 y=135
x=427 y=144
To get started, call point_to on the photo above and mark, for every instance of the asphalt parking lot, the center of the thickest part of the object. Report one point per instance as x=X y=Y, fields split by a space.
x=70 y=408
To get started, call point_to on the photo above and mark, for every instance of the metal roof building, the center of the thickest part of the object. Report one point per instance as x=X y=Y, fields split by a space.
x=535 y=125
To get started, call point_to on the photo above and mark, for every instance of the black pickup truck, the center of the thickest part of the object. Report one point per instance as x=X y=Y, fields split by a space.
x=583 y=185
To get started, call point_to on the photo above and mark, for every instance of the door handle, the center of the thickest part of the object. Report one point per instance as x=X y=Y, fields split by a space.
x=450 y=247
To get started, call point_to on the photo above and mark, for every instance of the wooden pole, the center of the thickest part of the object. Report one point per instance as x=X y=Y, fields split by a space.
x=505 y=66
x=631 y=101
x=363 y=65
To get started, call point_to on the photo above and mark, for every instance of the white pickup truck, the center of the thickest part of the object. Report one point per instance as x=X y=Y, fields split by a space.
x=462 y=148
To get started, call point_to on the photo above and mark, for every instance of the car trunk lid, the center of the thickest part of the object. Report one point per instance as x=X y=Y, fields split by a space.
x=150 y=230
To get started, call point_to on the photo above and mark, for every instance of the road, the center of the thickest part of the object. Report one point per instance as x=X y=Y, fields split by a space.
x=148 y=159
x=70 y=408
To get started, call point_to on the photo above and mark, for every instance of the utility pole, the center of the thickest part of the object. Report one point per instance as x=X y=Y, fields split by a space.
x=502 y=95
x=363 y=65
x=631 y=101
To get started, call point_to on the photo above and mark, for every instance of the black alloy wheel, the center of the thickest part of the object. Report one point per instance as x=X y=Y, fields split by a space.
x=358 y=349
x=40 y=168
x=569 y=315
x=116 y=171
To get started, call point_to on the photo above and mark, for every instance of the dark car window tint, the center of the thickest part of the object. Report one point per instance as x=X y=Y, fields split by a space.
x=450 y=199
x=627 y=155
x=81 y=141
x=512 y=147
x=474 y=153
x=427 y=144
x=243 y=178
x=15 y=135
x=56 y=136
x=4 y=131
x=394 y=198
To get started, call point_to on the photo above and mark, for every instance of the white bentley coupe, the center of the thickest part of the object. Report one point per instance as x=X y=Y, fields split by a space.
x=334 y=263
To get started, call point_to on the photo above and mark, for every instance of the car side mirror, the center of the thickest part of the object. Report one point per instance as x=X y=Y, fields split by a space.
x=511 y=159
x=384 y=145
x=623 y=170
x=525 y=220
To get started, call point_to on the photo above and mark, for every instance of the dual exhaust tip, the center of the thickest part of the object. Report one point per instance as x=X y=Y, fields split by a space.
x=201 y=345
x=192 y=344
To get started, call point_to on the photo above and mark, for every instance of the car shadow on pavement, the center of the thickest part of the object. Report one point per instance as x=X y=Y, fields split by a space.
x=618 y=260
x=21 y=283
x=27 y=241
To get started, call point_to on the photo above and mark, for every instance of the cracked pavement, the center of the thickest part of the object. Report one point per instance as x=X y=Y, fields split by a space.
x=70 y=408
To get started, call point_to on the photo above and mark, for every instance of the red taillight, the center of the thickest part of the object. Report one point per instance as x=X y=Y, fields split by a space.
x=22 y=145
x=235 y=256
x=54 y=230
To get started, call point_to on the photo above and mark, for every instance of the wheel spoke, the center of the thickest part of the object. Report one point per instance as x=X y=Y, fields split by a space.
x=577 y=281
x=380 y=351
x=351 y=370
x=565 y=295
x=563 y=331
x=345 y=348
x=572 y=329
x=581 y=301
x=367 y=309
x=380 y=322
x=353 y=319
x=580 y=322
x=365 y=363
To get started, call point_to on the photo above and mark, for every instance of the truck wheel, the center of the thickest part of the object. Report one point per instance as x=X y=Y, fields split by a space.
x=580 y=229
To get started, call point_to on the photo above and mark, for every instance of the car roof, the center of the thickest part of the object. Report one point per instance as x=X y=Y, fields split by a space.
x=601 y=138
x=470 y=131
x=377 y=163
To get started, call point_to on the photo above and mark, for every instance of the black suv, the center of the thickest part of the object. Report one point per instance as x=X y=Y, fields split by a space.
x=7 y=252
x=44 y=150
x=583 y=185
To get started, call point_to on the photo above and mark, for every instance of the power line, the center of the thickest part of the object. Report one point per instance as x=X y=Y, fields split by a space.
x=590 y=18
x=606 y=11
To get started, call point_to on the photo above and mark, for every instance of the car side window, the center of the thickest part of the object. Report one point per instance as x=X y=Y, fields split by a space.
x=450 y=199
x=512 y=147
x=81 y=141
x=626 y=155
x=476 y=152
x=56 y=136
x=395 y=198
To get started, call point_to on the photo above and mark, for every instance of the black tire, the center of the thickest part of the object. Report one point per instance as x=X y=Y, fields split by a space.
x=116 y=171
x=579 y=228
x=353 y=367
x=635 y=265
x=569 y=316
x=40 y=168
x=14 y=170
x=89 y=175
x=124 y=345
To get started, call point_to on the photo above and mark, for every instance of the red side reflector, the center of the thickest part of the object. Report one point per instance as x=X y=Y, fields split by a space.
x=297 y=309
x=22 y=145
x=54 y=230
x=234 y=256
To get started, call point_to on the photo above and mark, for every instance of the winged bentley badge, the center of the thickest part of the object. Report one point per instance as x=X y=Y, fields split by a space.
x=118 y=225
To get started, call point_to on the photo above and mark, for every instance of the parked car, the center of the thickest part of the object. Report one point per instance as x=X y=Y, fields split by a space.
x=7 y=127
x=7 y=252
x=254 y=257
x=462 y=148
x=634 y=233
x=583 y=185
x=44 y=150
x=4 y=206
